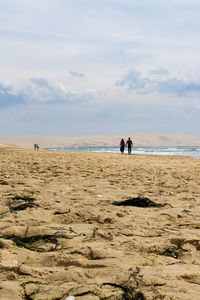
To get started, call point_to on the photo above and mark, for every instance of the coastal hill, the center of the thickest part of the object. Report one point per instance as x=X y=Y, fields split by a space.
x=139 y=139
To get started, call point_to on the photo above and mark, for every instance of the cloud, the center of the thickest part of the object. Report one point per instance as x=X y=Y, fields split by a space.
x=40 y=90
x=10 y=96
x=179 y=87
x=159 y=72
x=135 y=82
x=42 y=82
x=76 y=74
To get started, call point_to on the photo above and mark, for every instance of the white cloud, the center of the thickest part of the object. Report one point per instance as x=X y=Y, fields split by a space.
x=134 y=81
x=159 y=72
x=77 y=74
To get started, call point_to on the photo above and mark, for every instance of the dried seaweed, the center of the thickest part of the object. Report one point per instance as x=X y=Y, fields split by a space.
x=128 y=292
x=28 y=242
x=61 y=212
x=23 y=284
x=139 y=201
x=173 y=252
x=23 y=206
x=94 y=233
x=24 y=198
x=28 y=202
x=36 y=291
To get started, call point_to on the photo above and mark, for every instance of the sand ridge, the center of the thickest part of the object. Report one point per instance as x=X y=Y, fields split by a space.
x=82 y=241
x=139 y=139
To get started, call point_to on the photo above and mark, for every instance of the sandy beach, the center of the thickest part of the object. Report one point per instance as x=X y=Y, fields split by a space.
x=62 y=235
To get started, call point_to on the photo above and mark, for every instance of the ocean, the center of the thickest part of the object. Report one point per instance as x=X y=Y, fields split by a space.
x=191 y=151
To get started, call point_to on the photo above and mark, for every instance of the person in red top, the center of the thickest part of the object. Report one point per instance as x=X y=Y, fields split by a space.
x=122 y=146
x=129 y=143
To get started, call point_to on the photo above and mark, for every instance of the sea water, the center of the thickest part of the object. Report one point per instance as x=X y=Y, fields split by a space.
x=192 y=151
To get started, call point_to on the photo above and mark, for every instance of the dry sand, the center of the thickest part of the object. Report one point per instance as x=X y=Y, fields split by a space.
x=139 y=139
x=82 y=241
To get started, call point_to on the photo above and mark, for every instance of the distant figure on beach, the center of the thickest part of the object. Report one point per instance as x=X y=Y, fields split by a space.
x=35 y=146
x=122 y=146
x=129 y=143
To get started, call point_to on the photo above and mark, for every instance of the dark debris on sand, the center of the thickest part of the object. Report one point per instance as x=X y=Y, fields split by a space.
x=139 y=201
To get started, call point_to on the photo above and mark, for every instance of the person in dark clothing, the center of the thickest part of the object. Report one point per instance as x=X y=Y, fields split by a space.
x=129 y=143
x=122 y=146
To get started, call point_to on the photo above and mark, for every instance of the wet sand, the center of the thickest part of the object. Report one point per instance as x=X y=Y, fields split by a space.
x=61 y=234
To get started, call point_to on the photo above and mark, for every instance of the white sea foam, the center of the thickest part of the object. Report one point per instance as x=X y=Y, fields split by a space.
x=171 y=151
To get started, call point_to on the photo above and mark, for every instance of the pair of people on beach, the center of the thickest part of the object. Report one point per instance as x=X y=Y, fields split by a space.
x=36 y=147
x=128 y=143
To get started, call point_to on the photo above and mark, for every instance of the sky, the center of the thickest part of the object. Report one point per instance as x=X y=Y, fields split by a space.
x=88 y=67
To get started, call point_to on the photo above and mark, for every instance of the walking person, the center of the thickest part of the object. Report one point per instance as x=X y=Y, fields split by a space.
x=129 y=143
x=122 y=146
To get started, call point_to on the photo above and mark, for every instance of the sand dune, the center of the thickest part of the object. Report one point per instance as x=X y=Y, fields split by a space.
x=61 y=234
x=140 y=139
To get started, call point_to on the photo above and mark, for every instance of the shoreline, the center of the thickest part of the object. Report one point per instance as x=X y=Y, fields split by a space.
x=76 y=150
x=188 y=151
